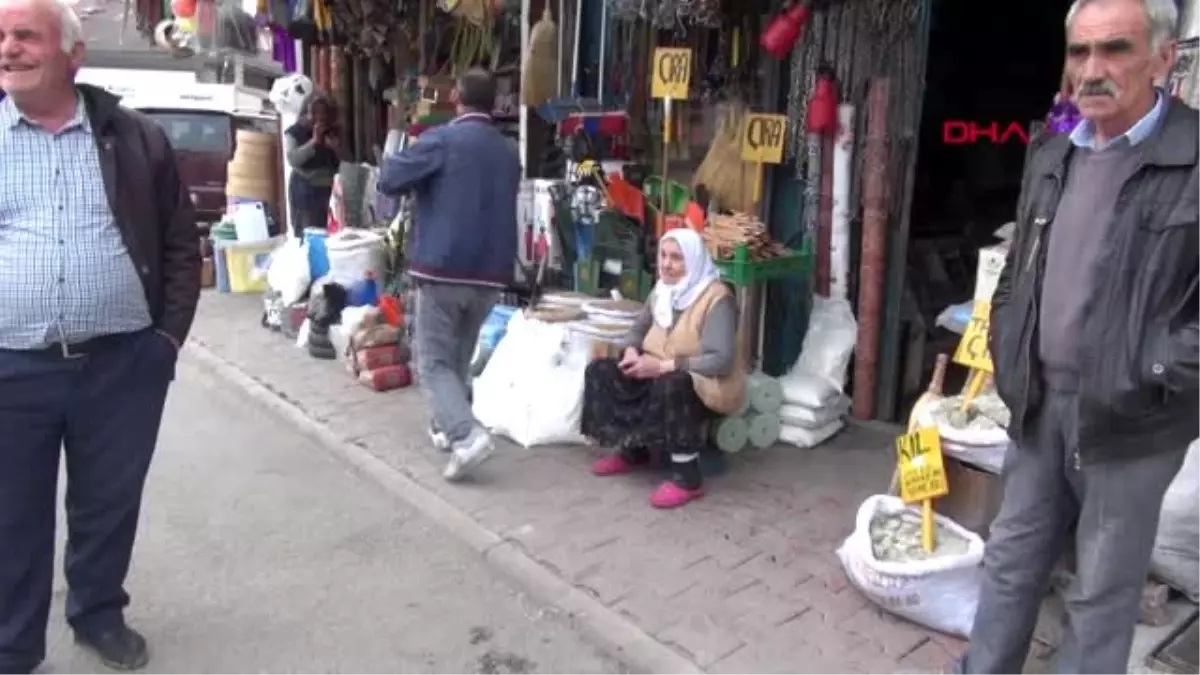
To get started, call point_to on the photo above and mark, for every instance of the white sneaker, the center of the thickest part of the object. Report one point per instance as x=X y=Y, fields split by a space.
x=468 y=454
x=440 y=440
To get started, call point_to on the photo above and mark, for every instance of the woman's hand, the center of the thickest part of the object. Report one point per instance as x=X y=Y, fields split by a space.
x=648 y=368
x=628 y=358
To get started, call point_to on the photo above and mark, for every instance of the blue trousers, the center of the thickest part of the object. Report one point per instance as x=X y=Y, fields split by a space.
x=101 y=410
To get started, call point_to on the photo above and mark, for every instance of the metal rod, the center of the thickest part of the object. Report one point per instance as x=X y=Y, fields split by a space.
x=603 y=51
x=575 y=51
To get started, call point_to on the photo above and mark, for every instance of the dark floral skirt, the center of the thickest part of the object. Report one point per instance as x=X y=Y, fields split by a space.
x=663 y=415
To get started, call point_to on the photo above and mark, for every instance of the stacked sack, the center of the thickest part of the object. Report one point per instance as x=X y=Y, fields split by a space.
x=757 y=424
x=377 y=355
x=813 y=402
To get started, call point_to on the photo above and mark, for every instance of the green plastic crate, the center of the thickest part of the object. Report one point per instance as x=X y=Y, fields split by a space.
x=635 y=283
x=678 y=194
x=742 y=271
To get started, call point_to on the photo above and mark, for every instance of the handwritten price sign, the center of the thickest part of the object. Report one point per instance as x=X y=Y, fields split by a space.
x=922 y=472
x=762 y=138
x=973 y=349
x=672 y=73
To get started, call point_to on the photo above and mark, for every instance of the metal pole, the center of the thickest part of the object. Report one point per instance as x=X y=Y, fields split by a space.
x=603 y=51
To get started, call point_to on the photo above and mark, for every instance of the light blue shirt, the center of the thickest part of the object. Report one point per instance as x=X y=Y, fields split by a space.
x=1084 y=134
x=65 y=273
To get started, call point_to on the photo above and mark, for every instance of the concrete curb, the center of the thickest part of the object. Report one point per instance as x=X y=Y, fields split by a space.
x=624 y=639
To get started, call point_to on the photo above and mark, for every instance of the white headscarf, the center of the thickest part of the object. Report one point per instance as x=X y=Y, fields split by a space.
x=700 y=273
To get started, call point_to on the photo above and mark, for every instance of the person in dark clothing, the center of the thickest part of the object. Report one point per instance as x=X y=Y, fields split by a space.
x=1093 y=336
x=311 y=146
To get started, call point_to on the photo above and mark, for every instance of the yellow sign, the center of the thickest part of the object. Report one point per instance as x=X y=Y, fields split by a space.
x=973 y=349
x=762 y=138
x=672 y=73
x=922 y=473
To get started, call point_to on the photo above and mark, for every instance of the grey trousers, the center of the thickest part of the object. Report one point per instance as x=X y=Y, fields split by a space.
x=448 y=319
x=1116 y=505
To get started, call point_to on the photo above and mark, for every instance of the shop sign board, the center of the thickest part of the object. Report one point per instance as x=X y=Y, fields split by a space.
x=973 y=349
x=762 y=138
x=922 y=471
x=672 y=73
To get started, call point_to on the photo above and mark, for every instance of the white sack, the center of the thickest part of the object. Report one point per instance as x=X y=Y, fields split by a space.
x=829 y=342
x=1176 y=557
x=814 y=418
x=941 y=593
x=532 y=387
x=287 y=271
x=809 y=438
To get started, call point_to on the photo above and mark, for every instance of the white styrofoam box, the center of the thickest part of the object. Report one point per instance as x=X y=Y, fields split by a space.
x=991 y=263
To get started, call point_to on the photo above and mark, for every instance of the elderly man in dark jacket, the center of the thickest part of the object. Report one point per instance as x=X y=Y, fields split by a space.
x=100 y=276
x=465 y=176
x=1094 y=341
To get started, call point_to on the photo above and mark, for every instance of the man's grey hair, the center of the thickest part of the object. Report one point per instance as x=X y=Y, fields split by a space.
x=1161 y=16
x=68 y=20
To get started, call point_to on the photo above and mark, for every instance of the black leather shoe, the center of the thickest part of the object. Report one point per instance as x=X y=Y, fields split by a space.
x=120 y=648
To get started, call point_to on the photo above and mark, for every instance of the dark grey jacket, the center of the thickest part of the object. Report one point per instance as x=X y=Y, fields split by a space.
x=1139 y=388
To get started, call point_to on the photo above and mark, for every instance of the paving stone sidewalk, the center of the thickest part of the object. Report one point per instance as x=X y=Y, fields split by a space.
x=744 y=580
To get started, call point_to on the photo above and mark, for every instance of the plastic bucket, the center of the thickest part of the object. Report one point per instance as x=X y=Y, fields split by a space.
x=247 y=263
x=318 y=255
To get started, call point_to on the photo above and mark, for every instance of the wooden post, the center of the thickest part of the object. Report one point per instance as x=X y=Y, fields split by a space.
x=873 y=265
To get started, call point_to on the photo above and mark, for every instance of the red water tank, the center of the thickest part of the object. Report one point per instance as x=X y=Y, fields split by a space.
x=779 y=38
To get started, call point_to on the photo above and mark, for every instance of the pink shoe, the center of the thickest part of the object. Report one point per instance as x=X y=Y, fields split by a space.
x=671 y=496
x=611 y=465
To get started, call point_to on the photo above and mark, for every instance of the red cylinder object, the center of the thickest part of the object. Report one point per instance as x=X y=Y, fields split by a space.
x=184 y=9
x=779 y=38
x=822 y=107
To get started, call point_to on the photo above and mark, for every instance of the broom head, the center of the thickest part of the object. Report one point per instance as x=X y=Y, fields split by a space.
x=539 y=72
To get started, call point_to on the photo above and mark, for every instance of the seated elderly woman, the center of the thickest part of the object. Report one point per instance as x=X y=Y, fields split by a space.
x=678 y=369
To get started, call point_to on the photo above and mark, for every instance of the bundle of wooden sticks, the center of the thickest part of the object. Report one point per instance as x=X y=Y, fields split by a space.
x=723 y=233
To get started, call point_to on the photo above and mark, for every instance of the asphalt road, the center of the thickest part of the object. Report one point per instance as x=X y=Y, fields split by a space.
x=260 y=552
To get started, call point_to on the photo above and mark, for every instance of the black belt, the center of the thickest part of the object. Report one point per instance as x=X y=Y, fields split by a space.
x=78 y=350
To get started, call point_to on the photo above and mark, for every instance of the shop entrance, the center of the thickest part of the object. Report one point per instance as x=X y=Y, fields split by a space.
x=992 y=71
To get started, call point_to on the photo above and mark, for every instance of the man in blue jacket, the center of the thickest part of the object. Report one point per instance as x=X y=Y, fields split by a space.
x=465 y=177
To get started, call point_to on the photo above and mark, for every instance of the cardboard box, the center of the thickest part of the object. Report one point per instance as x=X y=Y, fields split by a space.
x=991 y=263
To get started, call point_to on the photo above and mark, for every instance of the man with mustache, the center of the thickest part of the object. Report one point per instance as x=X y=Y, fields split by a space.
x=1094 y=341
x=99 y=280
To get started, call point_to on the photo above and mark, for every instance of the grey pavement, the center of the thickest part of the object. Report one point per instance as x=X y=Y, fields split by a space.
x=744 y=580
x=259 y=551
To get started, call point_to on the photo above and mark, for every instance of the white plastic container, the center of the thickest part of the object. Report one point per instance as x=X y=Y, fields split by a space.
x=353 y=253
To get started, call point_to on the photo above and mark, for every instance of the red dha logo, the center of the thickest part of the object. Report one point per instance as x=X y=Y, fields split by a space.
x=961 y=132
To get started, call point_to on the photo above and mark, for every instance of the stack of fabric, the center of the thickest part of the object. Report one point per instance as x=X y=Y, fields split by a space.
x=757 y=424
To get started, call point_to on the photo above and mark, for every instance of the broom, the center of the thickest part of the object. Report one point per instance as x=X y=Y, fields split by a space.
x=539 y=72
x=729 y=180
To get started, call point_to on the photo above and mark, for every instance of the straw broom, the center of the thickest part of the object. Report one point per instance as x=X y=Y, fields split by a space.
x=539 y=72
x=729 y=180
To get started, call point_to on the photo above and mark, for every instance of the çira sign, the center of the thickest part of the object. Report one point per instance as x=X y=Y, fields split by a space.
x=964 y=132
